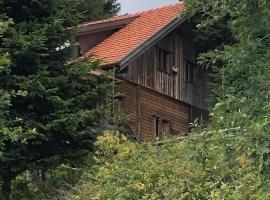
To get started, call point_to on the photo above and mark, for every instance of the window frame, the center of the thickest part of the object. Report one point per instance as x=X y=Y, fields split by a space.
x=189 y=71
x=163 y=57
x=162 y=128
x=119 y=104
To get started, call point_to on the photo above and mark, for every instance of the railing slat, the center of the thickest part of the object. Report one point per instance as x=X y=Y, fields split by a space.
x=165 y=84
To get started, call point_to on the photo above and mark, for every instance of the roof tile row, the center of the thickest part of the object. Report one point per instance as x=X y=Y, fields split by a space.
x=116 y=47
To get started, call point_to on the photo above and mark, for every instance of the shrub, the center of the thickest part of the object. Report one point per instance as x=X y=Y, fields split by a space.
x=174 y=170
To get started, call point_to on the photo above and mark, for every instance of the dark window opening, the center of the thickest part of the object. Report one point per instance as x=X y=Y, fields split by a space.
x=124 y=73
x=116 y=106
x=165 y=60
x=162 y=128
x=157 y=130
x=174 y=84
x=189 y=71
x=116 y=110
x=119 y=107
x=79 y=51
x=140 y=70
x=149 y=76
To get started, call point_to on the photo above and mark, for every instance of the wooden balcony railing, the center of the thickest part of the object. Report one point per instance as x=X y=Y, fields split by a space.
x=165 y=84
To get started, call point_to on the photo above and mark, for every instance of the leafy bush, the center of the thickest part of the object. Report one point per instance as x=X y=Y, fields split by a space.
x=54 y=185
x=176 y=169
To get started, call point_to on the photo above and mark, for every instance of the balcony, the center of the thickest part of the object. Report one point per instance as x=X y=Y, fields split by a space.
x=166 y=84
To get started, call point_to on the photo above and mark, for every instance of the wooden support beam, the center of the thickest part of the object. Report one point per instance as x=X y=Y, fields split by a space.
x=138 y=113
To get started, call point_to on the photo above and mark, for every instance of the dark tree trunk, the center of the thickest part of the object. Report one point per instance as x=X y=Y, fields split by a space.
x=6 y=189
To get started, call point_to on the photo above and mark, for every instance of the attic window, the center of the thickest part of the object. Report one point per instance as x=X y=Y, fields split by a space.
x=189 y=68
x=165 y=60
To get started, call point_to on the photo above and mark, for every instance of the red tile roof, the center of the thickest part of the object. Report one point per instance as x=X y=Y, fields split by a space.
x=120 y=44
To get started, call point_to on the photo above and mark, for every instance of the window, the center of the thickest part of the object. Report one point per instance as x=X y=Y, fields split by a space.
x=79 y=51
x=116 y=106
x=165 y=60
x=189 y=71
x=116 y=111
x=174 y=81
x=162 y=128
x=157 y=127
x=119 y=104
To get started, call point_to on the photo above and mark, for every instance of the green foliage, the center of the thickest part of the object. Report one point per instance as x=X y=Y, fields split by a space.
x=4 y=67
x=187 y=169
x=227 y=160
x=230 y=158
x=97 y=9
x=14 y=134
x=49 y=114
x=126 y=170
x=57 y=182
x=4 y=96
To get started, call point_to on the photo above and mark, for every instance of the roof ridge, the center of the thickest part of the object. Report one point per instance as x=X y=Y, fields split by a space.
x=114 y=18
x=159 y=8
x=129 y=15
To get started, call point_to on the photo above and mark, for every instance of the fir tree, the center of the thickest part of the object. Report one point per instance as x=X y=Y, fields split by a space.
x=54 y=103
x=4 y=95
x=97 y=9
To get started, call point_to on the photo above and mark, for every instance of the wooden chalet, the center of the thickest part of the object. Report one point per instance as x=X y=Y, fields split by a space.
x=162 y=88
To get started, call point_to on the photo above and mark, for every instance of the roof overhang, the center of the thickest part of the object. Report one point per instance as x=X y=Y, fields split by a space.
x=105 y=26
x=152 y=40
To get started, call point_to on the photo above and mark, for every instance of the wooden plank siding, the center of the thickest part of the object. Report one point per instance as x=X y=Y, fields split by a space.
x=162 y=88
x=168 y=75
x=142 y=105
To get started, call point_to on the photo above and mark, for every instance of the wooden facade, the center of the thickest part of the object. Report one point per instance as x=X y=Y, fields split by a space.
x=144 y=106
x=164 y=83
x=169 y=67
x=162 y=89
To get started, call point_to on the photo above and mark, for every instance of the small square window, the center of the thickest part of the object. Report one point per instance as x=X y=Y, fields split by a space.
x=162 y=128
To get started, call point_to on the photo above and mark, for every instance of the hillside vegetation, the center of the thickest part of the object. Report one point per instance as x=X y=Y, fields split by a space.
x=227 y=160
x=43 y=154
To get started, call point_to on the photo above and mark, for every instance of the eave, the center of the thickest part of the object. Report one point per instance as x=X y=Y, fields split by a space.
x=105 y=26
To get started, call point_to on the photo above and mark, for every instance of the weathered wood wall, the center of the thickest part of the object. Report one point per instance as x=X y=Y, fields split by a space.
x=148 y=70
x=142 y=105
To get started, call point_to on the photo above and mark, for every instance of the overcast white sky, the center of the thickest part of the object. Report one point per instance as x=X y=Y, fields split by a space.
x=132 y=6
